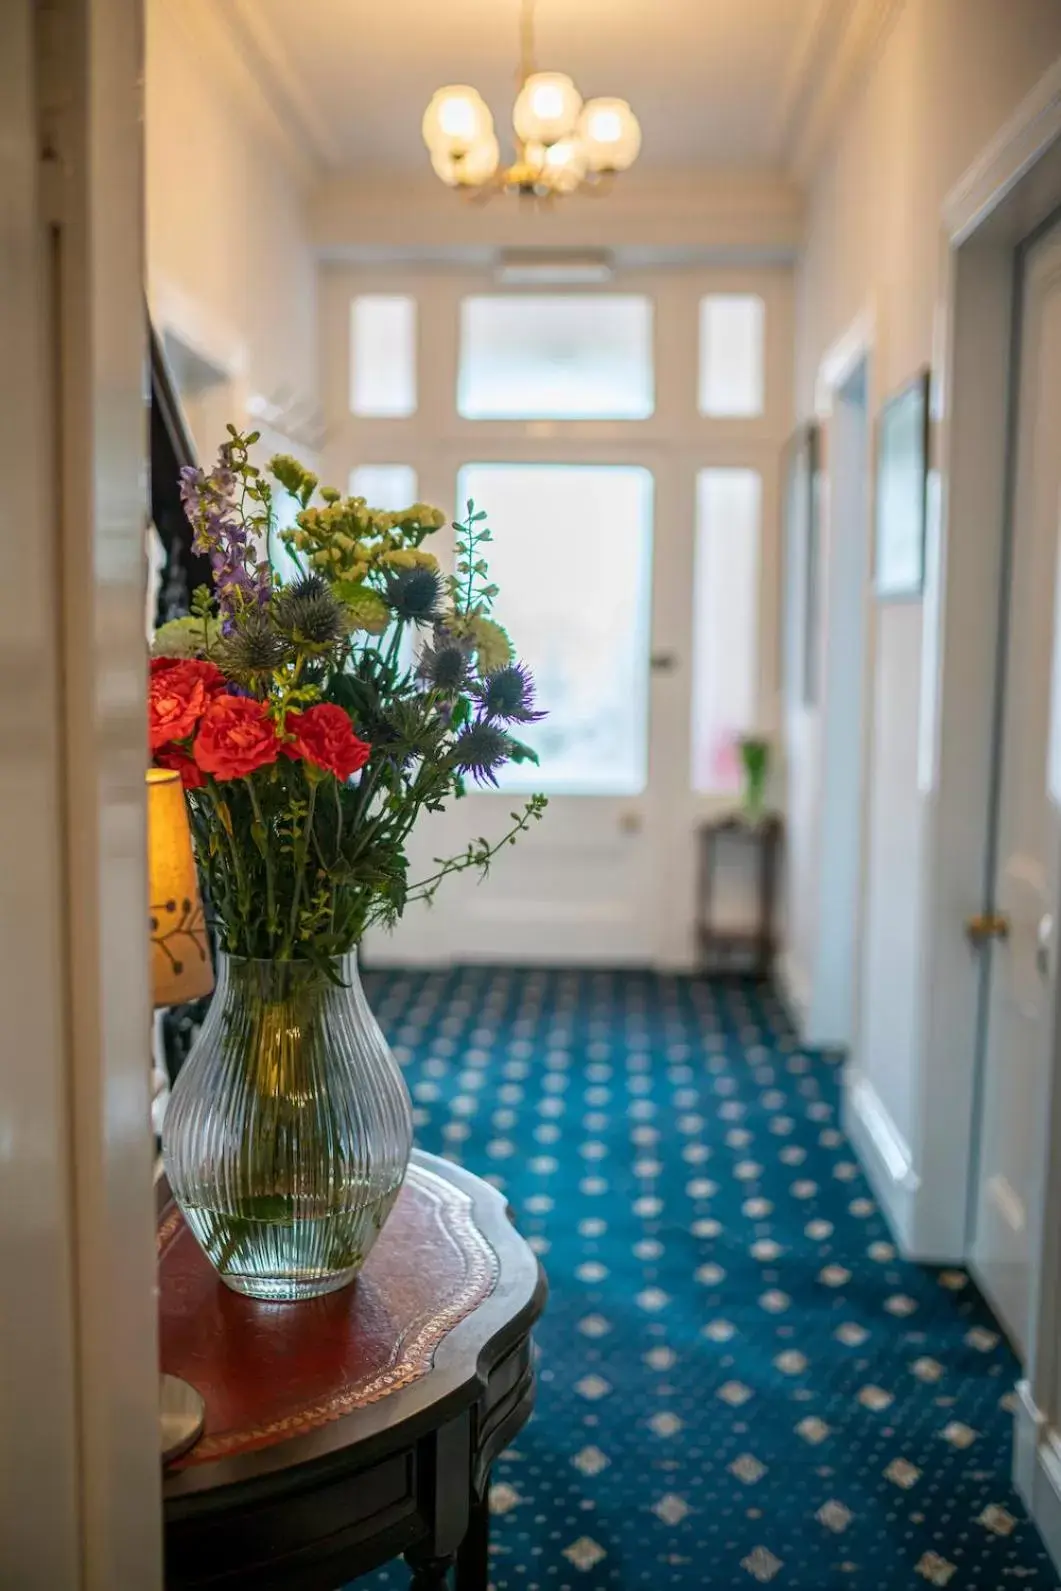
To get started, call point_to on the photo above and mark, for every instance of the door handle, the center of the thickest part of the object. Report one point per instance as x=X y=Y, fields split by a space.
x=985 y=926
x=1044 y=940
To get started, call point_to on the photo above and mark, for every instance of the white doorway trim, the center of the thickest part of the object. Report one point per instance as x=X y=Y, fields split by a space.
x=820 y=976
x=1005 y=196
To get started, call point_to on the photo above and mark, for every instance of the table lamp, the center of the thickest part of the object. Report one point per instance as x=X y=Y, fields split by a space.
x=180 y=971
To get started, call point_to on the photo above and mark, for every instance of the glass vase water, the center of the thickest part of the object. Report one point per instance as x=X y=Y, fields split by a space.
x=289 y=1130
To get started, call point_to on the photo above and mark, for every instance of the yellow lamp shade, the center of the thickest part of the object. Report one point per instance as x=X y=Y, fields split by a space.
x=456 y=120
x=611 y=134
x=180 y=951
x=547 y=108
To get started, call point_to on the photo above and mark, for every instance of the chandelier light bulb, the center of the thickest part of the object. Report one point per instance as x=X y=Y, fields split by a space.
x=455 y=121
x=547 y=108
x=611 y=134
x=471 y=169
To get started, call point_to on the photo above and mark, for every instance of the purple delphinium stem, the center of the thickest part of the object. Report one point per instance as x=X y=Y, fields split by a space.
x=219 y=531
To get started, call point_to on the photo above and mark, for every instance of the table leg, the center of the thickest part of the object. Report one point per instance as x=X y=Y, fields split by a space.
x=473 y=1558
x=429 y=1574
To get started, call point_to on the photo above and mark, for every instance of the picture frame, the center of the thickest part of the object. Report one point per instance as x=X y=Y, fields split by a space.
x=901 y=501
x=802 y=545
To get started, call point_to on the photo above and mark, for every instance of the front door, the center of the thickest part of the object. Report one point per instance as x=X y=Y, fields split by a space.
x=574 y=557
x=1023 y=962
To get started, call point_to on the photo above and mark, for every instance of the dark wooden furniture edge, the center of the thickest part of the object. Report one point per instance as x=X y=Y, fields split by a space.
x=466 y=1362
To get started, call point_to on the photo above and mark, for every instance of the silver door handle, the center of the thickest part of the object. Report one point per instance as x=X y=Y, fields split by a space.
x=1044 y=940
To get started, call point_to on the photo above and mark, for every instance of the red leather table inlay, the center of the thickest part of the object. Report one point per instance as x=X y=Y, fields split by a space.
x=268 y=1372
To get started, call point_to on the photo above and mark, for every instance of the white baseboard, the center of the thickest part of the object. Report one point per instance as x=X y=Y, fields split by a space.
x=1037 y=1469
x=793 y=991
x=885 y=1156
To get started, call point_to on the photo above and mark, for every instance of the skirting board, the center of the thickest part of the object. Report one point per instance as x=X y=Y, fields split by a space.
x=885 y=1156
x=1037 y=1469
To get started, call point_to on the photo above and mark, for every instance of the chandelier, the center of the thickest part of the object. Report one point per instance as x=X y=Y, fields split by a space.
x=562 y=143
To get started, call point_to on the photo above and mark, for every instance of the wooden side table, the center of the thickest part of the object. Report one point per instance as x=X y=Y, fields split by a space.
x=729 y=949
x=346 y=1431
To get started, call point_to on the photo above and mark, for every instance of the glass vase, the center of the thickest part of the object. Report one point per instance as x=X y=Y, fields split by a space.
x=289 y=1130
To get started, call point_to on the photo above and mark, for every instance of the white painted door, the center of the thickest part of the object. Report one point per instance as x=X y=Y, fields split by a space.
x=577 y=561
x=1023 y=964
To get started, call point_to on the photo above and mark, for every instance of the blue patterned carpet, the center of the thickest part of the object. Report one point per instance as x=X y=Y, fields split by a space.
x=740 y=1382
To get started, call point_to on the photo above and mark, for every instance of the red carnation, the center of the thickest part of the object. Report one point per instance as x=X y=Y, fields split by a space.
x=325 y=736
x=235 y=737
x=182 y=762
x=179 y=692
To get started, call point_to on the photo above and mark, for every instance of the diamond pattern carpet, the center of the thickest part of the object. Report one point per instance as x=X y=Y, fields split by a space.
x=741 y=1383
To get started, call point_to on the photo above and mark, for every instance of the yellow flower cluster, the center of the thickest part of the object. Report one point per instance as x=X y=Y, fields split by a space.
x=347 y=541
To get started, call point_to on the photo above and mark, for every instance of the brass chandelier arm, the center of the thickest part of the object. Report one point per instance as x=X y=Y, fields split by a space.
x=527 y=64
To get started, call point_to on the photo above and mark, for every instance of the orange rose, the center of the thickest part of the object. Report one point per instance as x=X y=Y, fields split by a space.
x=325 y=736
x=179 y=692
x=236 y=735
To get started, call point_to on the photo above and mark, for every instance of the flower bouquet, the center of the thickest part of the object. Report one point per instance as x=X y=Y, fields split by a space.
x=309 y=740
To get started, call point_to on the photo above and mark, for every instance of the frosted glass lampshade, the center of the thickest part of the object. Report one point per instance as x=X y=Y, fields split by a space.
x=611 y=134
x=468 y=170
x=547 y=108
x=562 y=165
x=180 y=953
x=456 y=120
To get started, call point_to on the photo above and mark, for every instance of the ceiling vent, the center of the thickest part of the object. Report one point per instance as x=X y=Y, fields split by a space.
x=535 y=268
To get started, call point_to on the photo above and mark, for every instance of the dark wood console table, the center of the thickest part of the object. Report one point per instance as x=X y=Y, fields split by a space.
x=725 y=949
x=346 y=1431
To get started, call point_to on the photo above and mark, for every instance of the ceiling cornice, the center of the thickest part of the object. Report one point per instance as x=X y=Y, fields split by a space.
x=220 y=38
x=840 y=41
x=264 y=55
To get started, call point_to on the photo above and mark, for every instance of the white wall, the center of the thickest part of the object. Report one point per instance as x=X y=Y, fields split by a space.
x=230 y=266
x=949 y=74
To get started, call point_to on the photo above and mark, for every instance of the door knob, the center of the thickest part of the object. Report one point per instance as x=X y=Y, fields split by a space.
x=986 y=925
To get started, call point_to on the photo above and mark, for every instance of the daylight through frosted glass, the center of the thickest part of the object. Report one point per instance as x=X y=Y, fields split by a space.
x=725 y=624
x=383 y=356
x=731 y=355
x=384 y=485
x=556 y=357
x=572 y=555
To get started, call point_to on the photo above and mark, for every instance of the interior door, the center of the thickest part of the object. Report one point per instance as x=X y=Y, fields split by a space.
x=1023 y=963
x=574 y=556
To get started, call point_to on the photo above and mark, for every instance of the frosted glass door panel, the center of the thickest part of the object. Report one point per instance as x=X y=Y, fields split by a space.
x=390 y=486
x=556 y=357
x=572 y=554
x=725 y=624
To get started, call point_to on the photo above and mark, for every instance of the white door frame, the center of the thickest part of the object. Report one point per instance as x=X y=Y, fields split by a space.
x=79 y=1473
x=1007 y=194
x=821 y=998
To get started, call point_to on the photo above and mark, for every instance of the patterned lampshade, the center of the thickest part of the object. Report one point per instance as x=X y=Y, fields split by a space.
x=180 y=952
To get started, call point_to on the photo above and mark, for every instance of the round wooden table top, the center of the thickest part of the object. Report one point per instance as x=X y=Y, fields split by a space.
x=286 y=1383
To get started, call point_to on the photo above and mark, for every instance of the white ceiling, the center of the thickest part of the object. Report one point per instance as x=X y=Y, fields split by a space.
x=714 y=82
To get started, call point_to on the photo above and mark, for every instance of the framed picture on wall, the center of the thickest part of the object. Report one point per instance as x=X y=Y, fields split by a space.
x=802 y=544
x=902 y=480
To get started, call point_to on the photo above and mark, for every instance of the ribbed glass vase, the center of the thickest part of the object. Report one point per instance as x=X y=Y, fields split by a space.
x=289 y=1130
